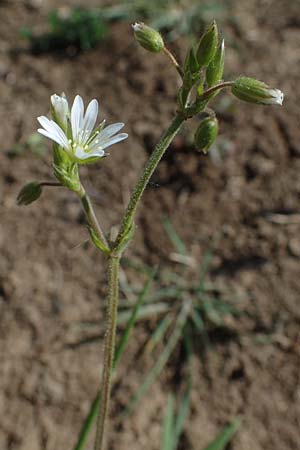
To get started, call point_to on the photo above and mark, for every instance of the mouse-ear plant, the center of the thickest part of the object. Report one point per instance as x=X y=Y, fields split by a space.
x=78 y=140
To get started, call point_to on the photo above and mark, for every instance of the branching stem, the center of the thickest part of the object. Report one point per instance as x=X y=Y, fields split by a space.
x=147 y=173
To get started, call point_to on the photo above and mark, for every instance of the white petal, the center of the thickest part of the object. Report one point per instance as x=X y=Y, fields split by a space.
x=61 y=107
x=110 y=131
x=114 y=140
x=51 y=136
x=89 y=120
x=77 y=116
x=81 y=154
x=53 y=131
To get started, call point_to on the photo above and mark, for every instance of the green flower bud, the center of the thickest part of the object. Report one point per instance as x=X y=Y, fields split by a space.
x=254 y=91
x=208 y=45
x=206 y=134
x=148 y=38
x=215 y=69
x=29 y=193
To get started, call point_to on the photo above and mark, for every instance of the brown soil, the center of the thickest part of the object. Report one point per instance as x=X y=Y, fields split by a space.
x=51 y=279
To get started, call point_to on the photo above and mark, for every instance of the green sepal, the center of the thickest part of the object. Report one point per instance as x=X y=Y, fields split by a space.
x=60 y=156
x=97 y=242
x=68 y=176
x=191 y=64
x=215 y=69
x=208 y=45
x=206 y=134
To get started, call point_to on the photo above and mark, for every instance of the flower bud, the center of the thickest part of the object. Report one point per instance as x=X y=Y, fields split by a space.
x=207 y=45
x=148 y=38
x=29 y=193
x=206 y=134
x=215 y=69
x=254 y=91
x=60 y=110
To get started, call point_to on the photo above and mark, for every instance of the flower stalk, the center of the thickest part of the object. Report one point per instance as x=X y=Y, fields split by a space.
x=91 y=218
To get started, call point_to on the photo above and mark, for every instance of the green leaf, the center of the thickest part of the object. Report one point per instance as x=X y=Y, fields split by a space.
x=162 y=360
x=158 y=334
x=225 y=436
x=178 y=244
x=134 y=314
x=183 y=412
x=168 y=429
x=88 y=423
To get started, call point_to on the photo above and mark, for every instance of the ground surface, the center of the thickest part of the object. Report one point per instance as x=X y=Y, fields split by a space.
x=51 y=279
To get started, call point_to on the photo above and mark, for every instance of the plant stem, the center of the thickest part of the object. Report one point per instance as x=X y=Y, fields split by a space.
x=109 y=346
x=91 y=216
x=215 y=88
x=173 y=61
x=149 y=168
x=50 y=183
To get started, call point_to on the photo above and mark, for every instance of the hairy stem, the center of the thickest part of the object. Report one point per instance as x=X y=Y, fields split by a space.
x=91 y=216
x=148 y=170
x=173 y=60
x=109 y=346
x=215 y=88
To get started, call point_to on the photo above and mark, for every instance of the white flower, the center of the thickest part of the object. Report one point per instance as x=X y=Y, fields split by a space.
x=83 y=141
x=276 y=97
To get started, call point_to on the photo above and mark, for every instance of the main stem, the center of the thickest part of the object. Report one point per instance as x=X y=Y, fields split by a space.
x=147 y=173
x=109 y=346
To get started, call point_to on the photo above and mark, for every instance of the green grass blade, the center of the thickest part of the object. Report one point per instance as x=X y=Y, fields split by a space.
x=88 y=423
x=168 y=429
x=225 y=436
x=177 y=242
x=183 y=412
x=158 y=333
x=144 y=312
x=162 y=360
x=125 y=336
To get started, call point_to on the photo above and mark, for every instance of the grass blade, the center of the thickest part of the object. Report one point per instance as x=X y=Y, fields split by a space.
x=177 y=242
x=163 y=359
x=225 y=436
x=88 y=423
x=183 y=412
x=168 y=429
x=134 y=314
x=158 y=334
